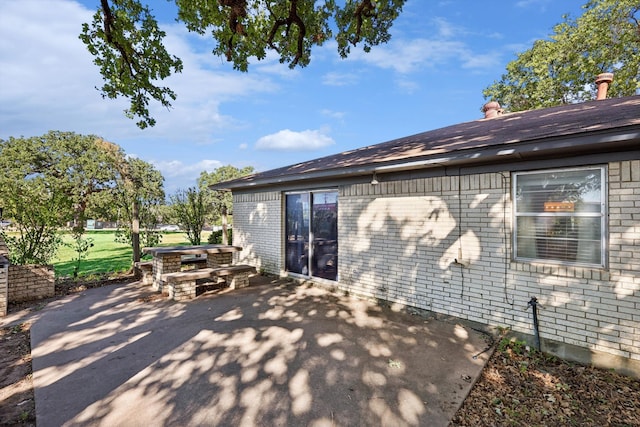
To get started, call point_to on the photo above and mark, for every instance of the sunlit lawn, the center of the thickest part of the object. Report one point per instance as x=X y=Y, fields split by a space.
x=106 y=255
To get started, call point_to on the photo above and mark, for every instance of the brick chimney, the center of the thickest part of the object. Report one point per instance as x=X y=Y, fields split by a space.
x=603 y=81
x=491 y=109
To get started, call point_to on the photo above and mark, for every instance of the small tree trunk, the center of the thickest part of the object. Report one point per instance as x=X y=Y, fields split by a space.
x=135 y=237
x=225 y=235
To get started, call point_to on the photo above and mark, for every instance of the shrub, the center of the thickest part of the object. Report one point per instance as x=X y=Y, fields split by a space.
x=215 y=238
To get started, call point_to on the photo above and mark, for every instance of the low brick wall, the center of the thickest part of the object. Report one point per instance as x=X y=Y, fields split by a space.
x=4 y=266
x=30 y=282
x=4 y=296
x=4 y=251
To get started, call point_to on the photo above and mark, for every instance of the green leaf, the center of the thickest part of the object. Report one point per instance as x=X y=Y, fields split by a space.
x=127 y=43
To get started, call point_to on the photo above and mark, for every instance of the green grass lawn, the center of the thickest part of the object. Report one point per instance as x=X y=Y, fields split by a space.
x=106 y=255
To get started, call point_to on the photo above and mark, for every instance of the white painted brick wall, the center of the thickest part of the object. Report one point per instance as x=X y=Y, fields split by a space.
x=257 y=227
x=398 y=242
x=399 y=245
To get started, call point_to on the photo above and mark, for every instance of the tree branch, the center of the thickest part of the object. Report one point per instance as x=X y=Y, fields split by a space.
x=292 y=19
x=109 y=22
x=238 y=10
x=302 y=30
x=364 y=10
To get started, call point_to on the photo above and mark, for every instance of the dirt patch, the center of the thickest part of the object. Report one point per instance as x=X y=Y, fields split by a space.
x=17 y=405
x=153 y=297
x=521 y=387
x=72 y=286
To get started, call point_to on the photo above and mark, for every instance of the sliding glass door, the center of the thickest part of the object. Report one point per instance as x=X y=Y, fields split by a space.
x=297 y=233
x=312 y=234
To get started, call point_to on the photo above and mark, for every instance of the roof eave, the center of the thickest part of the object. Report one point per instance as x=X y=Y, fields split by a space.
x=615 y=139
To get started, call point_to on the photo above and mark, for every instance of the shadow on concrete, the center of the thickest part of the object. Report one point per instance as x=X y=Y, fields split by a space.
x=271 y=354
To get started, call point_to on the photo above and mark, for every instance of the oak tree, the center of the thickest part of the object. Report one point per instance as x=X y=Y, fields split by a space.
x=138 y=197
x=562 y=69
x=221 y=201
x=127 y=42
x=47 y=182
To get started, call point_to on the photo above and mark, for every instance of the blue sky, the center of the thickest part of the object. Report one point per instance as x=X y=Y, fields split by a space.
x=441 y=56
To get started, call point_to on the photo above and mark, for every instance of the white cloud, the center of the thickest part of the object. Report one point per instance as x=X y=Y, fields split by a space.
x=412 y=55
x=288 y=140
x=271 y=64
x=446 y=48
x=52 y=81
x=407 y=86
x=182 y=175
x=176 y=168
x=338 y=115
x=47 y=76
x=339 y=79
x=536 y=3
x=485 y=61
x=445 y=29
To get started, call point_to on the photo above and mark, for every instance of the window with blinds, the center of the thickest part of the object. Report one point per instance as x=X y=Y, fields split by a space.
x=560 y=216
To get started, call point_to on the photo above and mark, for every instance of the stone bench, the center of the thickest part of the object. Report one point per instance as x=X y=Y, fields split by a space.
x=146 y=268
x=182 y=284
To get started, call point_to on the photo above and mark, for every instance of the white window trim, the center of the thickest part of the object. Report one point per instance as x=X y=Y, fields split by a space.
x=603 y=217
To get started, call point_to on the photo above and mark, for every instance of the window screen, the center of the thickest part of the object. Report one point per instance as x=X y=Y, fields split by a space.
x=560 y=216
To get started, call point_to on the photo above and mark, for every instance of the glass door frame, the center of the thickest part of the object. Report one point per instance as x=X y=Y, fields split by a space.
x=309 y=252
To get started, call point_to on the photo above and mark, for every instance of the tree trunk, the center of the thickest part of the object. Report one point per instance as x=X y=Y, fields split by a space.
x=135 y=237
x=225 y=235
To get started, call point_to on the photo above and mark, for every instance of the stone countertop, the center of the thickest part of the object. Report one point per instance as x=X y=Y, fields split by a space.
x=190 y=250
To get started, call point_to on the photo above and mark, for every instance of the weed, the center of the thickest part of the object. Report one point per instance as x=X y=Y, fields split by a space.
x=395 y=363
x=516 y=346
x=503 y=330
x=503 y=345
x=512 y=413
x=39 y=306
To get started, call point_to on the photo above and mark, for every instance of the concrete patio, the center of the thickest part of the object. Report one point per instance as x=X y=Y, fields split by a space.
x=271 y=354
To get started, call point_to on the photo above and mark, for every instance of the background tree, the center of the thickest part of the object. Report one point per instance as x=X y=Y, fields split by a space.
x=562 y=69
x=221 y=201
x=36 y=210
x=92 y=168
x=190 y=210
x=48 y=181
x=127 y=43
x=138 y=198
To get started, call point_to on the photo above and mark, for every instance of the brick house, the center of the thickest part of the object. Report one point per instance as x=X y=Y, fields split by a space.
x=472 y=221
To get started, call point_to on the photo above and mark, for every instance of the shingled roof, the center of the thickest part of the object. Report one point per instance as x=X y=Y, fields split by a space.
x=564 y=130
